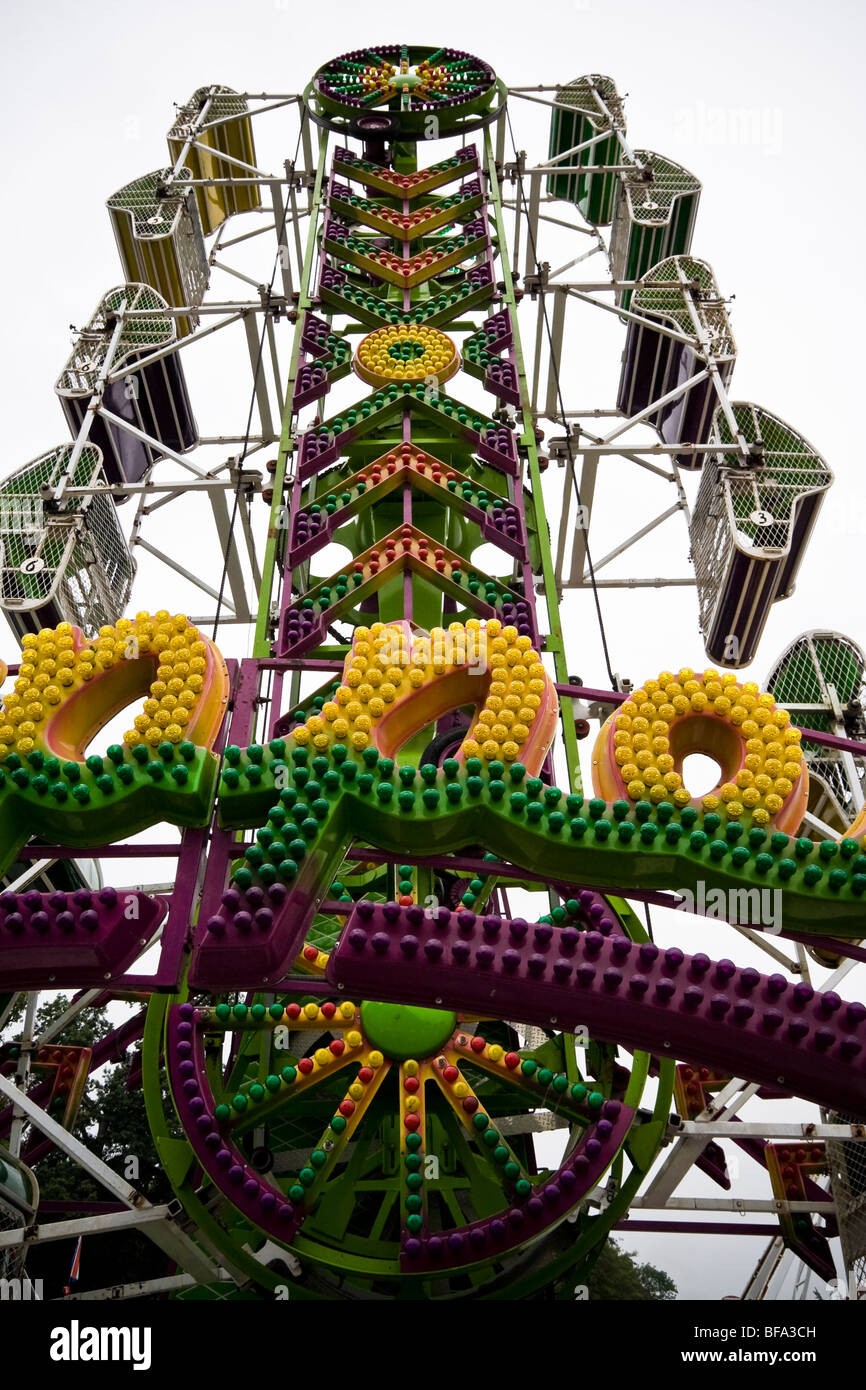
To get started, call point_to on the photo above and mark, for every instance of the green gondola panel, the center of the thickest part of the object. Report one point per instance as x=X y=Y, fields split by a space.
x=750 y=527
x=589 y=108
x=654 y=214
x=152 y=399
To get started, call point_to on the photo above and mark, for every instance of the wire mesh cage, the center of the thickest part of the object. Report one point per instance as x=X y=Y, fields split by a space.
x=654 y=213
x=847 y=1162
x=750 y=526
x=153 y=399
x=11 y=1256
x=593 y=109
x=62 y=561
x=19 y=1198
x=159 y=237
x=679 y=294
x=217 y=118
x=819 y=679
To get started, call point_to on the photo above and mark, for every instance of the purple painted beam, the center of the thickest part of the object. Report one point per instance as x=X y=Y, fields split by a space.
x=711 y=1161
x=178 y=926
x=827 y=943
x=498 y=868
x=759 y=1026
x=297 y=663
x=820 y=736
x=176 y=937
x=701 y=1228
x=585 y=692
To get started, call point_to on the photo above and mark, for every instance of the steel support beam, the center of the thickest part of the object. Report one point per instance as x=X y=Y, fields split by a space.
x=164 y=1233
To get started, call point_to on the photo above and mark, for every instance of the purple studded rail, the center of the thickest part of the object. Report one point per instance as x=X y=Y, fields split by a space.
x=74 y=939
x=759 y=1026
x=549 y=1202
x=248 y=938
x=255 y=1196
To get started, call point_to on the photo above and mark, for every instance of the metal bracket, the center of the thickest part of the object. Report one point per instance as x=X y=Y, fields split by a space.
x=537 y=282
x=515 y=168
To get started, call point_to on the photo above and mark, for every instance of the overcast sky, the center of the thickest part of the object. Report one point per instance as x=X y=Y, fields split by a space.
x=763 y=101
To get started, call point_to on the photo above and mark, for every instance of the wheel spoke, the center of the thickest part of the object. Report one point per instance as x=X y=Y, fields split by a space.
x=474 y=1118
x=551 y=1090
x=379 y=97
x=255 y=1100
x=346 y=1120
x=413 y=1145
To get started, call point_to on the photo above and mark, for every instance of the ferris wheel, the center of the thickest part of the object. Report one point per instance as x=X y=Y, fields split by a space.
x=404 y=1027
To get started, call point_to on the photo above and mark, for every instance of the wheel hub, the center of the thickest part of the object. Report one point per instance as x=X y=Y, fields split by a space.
x=401 y=1031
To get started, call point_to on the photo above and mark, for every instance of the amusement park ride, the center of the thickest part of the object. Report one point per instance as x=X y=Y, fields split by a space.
x=405 y=1033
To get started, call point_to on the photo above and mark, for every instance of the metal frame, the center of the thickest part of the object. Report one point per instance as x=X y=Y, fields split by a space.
x=261 y=318
x=156 y=1222
x=580 y=454
x=582 y=450
x=219 y=468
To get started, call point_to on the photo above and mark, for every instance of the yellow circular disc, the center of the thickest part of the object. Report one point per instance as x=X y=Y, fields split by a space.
x=406 y=352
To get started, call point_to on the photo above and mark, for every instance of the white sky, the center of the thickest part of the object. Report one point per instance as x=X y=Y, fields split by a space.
x=763 y=101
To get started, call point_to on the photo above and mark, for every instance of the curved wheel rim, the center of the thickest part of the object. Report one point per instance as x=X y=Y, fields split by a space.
x=486 y=1240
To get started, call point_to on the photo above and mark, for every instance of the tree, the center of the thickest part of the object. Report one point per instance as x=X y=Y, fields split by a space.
x=112 y=1122
x=617 y=1278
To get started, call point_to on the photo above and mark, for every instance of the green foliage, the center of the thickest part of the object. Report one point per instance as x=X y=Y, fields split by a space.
x=616 y=1278
x=112 y=1122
